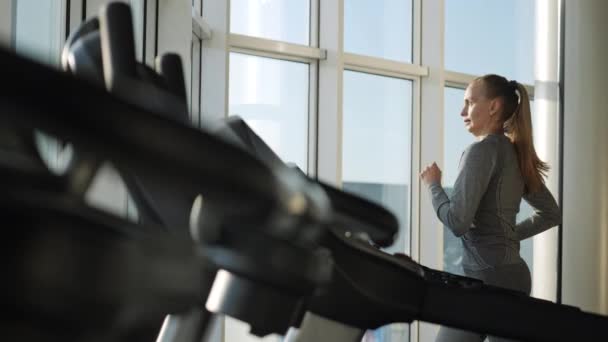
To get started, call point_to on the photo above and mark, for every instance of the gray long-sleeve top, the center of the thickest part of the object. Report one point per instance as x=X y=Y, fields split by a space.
x=485 y=201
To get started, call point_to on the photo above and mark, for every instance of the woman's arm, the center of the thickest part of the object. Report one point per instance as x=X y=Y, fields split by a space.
x=546 y=214
x=475 y=171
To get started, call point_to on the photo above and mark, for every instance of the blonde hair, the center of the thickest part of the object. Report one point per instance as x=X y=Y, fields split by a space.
x=517 y=124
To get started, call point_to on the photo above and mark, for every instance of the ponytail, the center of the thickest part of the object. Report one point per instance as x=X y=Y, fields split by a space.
x=518 y=127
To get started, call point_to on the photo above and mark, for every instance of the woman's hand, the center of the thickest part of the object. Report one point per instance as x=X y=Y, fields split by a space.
x=431 y=174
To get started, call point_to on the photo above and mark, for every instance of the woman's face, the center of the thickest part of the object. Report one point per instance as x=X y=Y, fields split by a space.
x=478 y=111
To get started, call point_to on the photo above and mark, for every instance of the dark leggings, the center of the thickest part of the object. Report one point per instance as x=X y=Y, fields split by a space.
x=513 y=277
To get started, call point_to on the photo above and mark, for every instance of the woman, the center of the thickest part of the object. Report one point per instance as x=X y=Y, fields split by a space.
x=495 y=173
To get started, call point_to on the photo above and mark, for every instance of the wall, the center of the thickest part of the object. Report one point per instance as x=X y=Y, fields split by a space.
x=585 y=227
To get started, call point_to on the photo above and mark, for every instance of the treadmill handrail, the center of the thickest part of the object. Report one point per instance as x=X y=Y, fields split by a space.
x=356 y=213
x=349 y=212
x=143 y=140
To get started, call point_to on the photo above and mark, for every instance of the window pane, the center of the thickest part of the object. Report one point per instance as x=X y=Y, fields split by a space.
x=490 y=36
x=456 y=139
x=380 y=28
x=37 y=29
x=272 y=96
x=284 y=20
x=376 y=156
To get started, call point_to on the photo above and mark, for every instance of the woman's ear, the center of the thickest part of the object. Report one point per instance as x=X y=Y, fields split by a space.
x=495 y=105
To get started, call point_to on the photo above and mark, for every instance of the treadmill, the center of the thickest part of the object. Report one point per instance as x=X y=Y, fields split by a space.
x=370 y=289
x=261 y=226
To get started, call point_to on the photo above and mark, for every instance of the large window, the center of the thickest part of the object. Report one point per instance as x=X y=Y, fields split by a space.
x=376 y=156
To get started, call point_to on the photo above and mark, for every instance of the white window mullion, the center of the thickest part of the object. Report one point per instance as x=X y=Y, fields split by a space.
x=430 y=143
x=214 y=91
x=415 y=228
x=331 y=70
x=313 y=113
x=546 y=138
x=431 y=127
x=215 y=59
x=313 y=119
x=314 y=23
